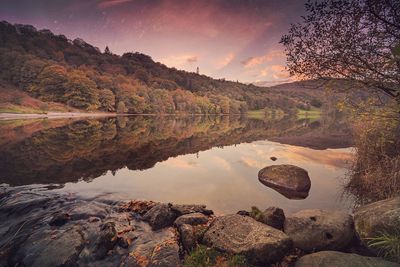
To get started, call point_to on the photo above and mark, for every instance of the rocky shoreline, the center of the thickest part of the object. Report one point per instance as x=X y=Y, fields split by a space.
x=40 y=227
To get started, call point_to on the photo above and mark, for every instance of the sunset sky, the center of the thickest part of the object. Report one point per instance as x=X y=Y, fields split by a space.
x=232 y=39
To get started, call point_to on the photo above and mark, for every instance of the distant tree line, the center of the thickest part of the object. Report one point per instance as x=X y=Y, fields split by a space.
x=52 y=68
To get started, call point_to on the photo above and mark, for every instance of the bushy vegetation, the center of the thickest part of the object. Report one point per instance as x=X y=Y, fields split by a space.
x=52 y=68
x=203 y=256
x=375 y=174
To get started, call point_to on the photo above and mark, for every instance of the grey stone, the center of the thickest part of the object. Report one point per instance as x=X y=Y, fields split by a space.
x=314 y=230
x=188 y=238
x=339 y=259
x=274 y=217
x=106 y=240
x=45 y=249
x=379 y=217
x=160 y=216
x=192 y=219
x=166 y=255
x=258 y=242
x=186 y=209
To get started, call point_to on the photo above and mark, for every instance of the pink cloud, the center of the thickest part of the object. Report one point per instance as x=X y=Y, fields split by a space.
x=111 y=3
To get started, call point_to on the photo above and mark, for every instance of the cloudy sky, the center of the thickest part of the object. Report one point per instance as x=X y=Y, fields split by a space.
x=232 y=39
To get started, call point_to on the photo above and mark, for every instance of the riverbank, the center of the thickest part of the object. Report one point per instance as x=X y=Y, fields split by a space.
x=49 y=228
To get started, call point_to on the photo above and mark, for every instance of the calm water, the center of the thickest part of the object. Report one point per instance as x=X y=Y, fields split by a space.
x=207 y=160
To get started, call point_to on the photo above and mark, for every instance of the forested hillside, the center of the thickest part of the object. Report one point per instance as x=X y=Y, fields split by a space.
x=53 y=68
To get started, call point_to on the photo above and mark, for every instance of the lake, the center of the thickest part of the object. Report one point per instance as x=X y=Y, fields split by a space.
x=212 y=160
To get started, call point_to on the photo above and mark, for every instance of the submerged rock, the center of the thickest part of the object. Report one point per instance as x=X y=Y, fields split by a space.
x=238 y=234
x=339 y=259
x=315 y=230
x=289 y=180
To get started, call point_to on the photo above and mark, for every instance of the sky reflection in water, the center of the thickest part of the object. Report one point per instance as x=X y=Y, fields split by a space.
x=225 y=179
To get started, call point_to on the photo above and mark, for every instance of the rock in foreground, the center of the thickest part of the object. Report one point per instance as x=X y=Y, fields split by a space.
x=315 y=230
x=289 y=180
x=160 y=216
x=238 y=234
x=339 y=259
x=47 y=229
x=379 y=217
x=274 y=217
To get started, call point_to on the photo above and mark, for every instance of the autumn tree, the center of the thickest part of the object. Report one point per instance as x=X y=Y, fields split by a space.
x=51 y=83
x=81 y=91
x=107 y=100
x=358 y=40
x=30 y=72
x=121 y=108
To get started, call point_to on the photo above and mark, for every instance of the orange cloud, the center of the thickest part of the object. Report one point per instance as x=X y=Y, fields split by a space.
x=191 y=59
x=179 y=61
x=279 y=72
x=226 y=60
x=255 y=61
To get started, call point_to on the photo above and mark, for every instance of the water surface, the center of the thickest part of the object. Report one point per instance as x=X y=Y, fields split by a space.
x=207 y=160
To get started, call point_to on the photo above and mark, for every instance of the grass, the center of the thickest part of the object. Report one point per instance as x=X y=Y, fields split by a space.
x=387 y=245
x=256 y=114
x=261 y=114
x=257 y=214
x=203 y=256
x=313 y=113
x=20 y=110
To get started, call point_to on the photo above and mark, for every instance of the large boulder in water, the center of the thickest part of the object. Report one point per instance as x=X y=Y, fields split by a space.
x=238 y=234
x=315 y=230
x=339 y=259
x=289 y=180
